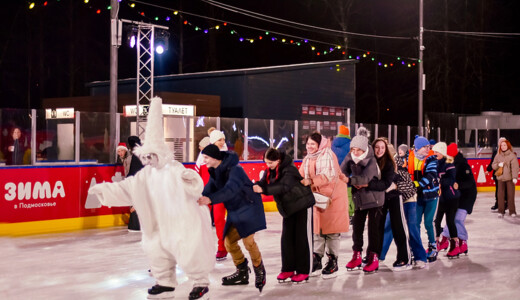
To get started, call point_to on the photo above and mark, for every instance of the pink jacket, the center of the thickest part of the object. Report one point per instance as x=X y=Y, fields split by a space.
x=335 y=218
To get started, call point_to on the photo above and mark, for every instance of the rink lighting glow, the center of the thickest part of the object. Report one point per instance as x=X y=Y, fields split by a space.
x=159 y=49
x=200 y=122
x=259 y=139
x=132 y=41
x=283 y=140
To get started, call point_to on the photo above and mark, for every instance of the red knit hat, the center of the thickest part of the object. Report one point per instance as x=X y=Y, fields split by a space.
x=343 y=130
x=121 y=146
x=453 y=150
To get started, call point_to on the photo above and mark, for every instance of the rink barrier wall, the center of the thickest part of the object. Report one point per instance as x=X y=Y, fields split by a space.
x=47 y=199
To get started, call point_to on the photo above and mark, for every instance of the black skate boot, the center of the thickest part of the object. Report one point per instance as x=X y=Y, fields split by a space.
x=160 y=292
x=199 y=292
x=316 y=264
x=331 y=269
x=259 y=276
x=241 y=275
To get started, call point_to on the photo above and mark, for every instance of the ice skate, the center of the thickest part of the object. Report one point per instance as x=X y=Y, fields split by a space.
x=463 y=246
x=241 y=275
x=316 y=264
x=299 y=278
x=199 y=292
x=259 y=276
x=284 y=277
x=431 y=254
x=443 y=244
x=454 y=249
x=221 y=255
x=331 y=269
x=399 y=266
x=419 y=264
x=160 y=292
x=372 y=263
x=355 y=262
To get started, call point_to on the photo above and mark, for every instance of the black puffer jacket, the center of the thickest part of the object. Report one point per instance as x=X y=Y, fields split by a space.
x=284 y=184
x=466 y=181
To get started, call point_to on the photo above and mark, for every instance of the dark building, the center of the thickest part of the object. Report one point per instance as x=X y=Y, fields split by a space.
x=277 y=92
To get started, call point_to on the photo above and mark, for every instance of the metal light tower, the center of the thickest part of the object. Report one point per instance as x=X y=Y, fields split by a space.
x=145 y=70
x=422 y=77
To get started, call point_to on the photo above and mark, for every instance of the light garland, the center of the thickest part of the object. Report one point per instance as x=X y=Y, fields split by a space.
x=268 y=36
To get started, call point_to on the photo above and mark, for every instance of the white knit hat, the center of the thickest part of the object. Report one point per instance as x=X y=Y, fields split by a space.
x=216 y=135
x=204 y=142
x=441 y=147
x=154 y=135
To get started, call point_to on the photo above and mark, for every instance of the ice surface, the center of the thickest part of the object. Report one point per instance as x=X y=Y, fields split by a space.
x=110 y=264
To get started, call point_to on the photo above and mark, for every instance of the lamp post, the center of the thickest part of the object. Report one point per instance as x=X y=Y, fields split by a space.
x=422 y=77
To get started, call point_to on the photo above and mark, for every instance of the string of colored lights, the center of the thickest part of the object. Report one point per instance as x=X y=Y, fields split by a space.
x=285 y=39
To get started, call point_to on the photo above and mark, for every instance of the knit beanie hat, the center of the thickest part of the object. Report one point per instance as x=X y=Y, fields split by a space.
x=420 y=142
x=441 y=147
x=204 y=142
x=453 y=150
x=343 y=132
x=216 y=135
x=213 y=151
x=432 y=142
x=403 y=147
x=121 y=146
x=361 y=139
x=134 y=141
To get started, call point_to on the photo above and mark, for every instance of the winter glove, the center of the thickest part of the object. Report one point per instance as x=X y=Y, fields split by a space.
x=500 y=165
x=515 y=180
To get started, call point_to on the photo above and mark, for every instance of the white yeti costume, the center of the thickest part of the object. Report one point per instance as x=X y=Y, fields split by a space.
x=175 y=229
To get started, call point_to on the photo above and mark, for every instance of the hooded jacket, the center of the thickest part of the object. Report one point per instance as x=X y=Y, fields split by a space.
x=367 y=168
x=341 y=147
x=229 y=184
x=284 y=184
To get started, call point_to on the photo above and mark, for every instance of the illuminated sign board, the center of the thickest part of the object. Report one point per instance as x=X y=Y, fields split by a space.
x=167 y=110
x=59 y=113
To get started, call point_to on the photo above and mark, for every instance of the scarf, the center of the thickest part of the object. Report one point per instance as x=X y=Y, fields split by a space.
x=324 y=161
x=357 y=159
x=419 y=156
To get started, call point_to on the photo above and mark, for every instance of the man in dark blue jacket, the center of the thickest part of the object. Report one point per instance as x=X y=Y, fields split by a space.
x=230 y=185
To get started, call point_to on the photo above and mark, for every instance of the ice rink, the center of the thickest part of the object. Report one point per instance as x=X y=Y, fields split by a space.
x=110 y=264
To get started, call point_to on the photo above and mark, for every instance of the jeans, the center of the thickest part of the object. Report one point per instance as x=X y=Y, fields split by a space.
x=429 y=209
x=410 y=213
x=460 y=219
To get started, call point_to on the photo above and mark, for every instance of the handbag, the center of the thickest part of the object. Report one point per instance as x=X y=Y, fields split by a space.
x=499 y=171
x=323 y=201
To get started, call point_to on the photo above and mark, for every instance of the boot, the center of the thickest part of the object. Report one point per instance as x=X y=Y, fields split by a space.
x=355 y=262
x=199 y=292
x=454 y=250
x=283 y=276
x=331 y=269
x=316 y=264
x=463 y=246
x=372 y=264
x=159 y=291
x=241 y=275
x=431 y=254
x=443 y=244
x=259 y=276
x=300 y=278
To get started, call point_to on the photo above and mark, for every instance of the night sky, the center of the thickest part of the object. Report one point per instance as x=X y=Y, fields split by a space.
x=53 y=50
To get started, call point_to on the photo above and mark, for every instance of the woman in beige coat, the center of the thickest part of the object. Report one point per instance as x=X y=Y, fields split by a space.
x=507 y=160
x=320 y=170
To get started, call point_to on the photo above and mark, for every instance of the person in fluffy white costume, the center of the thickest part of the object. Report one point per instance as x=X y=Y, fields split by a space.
x=176 y=230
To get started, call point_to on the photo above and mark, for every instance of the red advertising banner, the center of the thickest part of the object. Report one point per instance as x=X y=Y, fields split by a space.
x=49 y=193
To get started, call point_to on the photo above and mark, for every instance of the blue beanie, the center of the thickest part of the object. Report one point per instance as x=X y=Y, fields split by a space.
x=432 y=142
x=420 y=142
